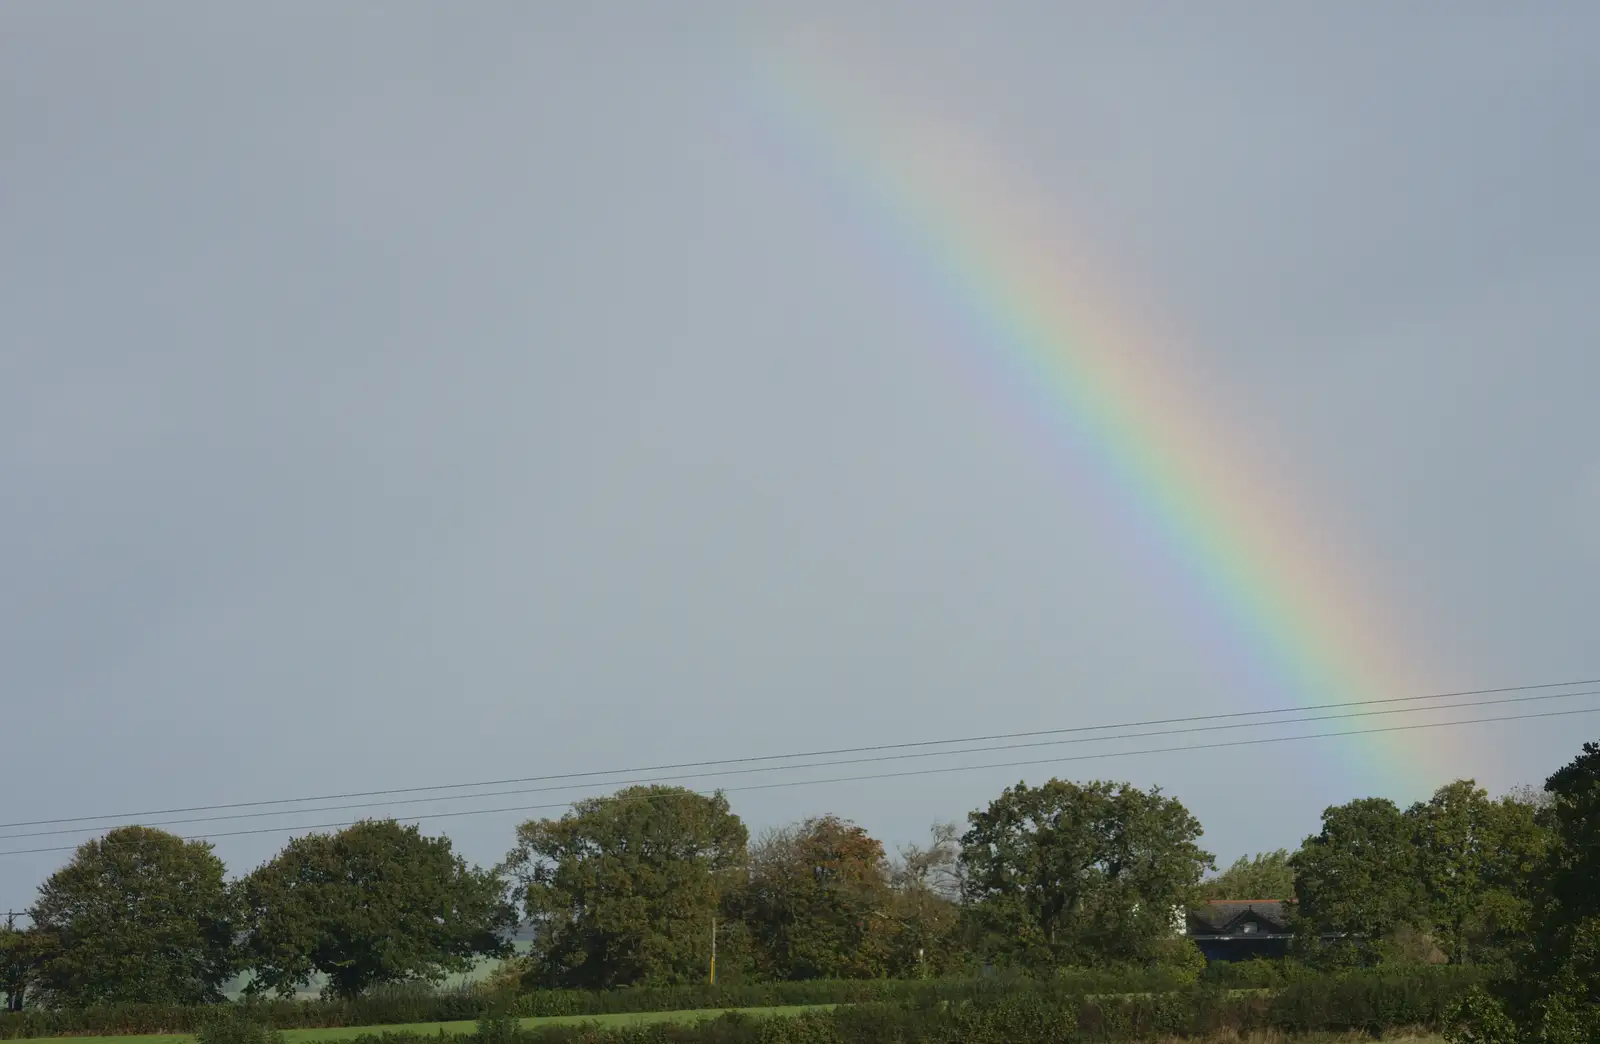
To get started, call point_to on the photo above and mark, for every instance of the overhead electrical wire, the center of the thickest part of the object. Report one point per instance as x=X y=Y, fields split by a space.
x=1256 y=741
x=795 y=756
x=60 y=831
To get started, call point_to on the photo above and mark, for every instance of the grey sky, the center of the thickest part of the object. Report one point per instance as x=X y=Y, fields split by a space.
x=402 y=394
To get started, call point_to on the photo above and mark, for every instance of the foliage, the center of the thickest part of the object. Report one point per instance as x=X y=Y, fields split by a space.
x=1481 y=1018
x=1570 y=894
x=1038 y=1012
x=22 y=952
x=234 y=1024
x=1475 y=863
x=1553 y=996
x=1066 y=874
x=1449 y=879
x=1267 y=875
x=926 y=883
x=382 y=1005
x=1300 y=1002
x=623 y=889
x=137 y=915
x=1556 y=995
x=495 y=1027
x=817 y=902
x=375 y=903
x=1356 y=881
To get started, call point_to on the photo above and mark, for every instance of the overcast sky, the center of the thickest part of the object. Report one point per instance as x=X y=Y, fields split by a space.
x=400 y=394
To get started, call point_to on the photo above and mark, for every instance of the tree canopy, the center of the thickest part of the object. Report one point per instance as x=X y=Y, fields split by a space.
x=1475 y=859
x=1267 y=875
x=1082 y=874
x=1449 y=879
x=623 y=890
x=1561 y=973
x=1553 y=993
x=817 y=903
x=21 y=953
x=139 y=915
x=1356 y=880
x=926 y=881
x=374 y=903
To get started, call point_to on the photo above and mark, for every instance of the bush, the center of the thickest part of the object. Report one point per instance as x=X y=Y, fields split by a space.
x=1258 y=973
x=236 y=1024
x=1372 y=1000
x=494 y=1029
x=1480 y=1019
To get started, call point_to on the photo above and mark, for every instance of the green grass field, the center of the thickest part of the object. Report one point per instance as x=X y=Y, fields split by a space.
x=305 y=1036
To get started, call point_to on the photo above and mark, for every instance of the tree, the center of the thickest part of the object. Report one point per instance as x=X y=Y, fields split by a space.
x=1553 y=997
x=1266 y=876
x=1560 y=974
x=1070 y=874
x=926 y=883
x=21 y=954
x=374 y=903
x=139 y=915
x=624 y=889
x=934 y=870
x=1356 y=882
x=1571 y=875
x=1475 y=859
x=817 y=903
x=1535 y=797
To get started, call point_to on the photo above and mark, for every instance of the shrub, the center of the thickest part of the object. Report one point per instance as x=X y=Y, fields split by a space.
x=236 y=1024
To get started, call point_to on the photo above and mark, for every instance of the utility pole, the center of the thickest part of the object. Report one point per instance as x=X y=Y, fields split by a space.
x=713 y=949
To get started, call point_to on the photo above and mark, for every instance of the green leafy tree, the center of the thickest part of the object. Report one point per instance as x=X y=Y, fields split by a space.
x=374 y=903
x=1553 y=997
x=1571 y=875
x=1475 y=860
x=818 y=902
x=623 y=890
x=1560 y=974
x=1356 y=882
x=1264 y=876
x=139 y=915
x=1069 y=874
x=22 y=952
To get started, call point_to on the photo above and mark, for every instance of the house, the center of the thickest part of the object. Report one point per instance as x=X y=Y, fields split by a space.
x=1238 y=929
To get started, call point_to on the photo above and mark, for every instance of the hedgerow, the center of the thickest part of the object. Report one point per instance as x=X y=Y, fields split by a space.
x=1106 y=1003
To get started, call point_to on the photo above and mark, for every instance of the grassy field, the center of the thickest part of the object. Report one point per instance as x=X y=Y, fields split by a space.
x=305 y=1036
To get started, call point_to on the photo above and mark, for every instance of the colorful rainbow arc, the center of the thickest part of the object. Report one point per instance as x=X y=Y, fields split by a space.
x=996 y=261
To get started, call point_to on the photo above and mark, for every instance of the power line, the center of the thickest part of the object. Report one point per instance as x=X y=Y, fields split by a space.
x=789 y=757
x=59 y=831
x=1257 y=741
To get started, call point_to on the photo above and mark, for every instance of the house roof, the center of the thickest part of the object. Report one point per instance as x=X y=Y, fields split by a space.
x=1225 y=916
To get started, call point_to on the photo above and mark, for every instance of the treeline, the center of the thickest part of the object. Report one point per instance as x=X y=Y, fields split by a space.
x=144 y=916
x=635 y=889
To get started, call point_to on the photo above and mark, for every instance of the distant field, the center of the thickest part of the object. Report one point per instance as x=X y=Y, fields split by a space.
x=305 y=1036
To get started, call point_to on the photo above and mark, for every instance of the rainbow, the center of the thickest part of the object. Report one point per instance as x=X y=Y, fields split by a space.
x=929 y=193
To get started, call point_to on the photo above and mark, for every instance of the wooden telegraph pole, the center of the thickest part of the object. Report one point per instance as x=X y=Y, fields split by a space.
x=713 y=950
